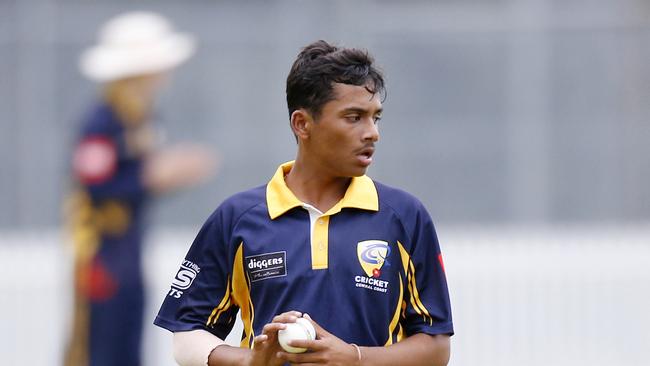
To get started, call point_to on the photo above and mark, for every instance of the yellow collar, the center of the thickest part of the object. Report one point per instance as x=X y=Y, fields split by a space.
x=361 y=193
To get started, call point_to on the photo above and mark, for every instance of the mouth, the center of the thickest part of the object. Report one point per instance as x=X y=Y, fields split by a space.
x=365 y=155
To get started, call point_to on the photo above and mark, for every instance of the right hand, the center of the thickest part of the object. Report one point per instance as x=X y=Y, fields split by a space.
x=266 y=346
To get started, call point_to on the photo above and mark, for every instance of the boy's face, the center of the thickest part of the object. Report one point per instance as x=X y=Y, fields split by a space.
x=342 y=139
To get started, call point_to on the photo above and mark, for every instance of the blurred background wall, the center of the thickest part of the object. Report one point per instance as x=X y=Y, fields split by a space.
x=500 y=113
x=497 y=111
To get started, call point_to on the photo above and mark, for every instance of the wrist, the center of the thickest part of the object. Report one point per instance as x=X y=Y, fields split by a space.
x=358 y=355
x=247 y=359
x=226 y=355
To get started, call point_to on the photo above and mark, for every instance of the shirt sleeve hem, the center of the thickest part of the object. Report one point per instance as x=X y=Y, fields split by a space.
x=436 y=329
x=175 y=326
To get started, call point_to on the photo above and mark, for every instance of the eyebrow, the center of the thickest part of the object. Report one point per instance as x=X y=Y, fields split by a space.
x=361 y=110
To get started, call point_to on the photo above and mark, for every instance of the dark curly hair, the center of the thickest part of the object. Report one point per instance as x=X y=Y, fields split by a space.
x=319 y=65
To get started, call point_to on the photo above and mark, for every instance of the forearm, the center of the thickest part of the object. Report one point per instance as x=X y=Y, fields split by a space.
x=201 y=348
x=417 y=350
x=225 y=355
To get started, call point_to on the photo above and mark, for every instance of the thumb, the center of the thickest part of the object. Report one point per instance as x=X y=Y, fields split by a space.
x=320 y=331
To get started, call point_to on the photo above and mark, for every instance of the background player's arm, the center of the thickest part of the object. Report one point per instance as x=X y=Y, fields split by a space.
x=177 y=167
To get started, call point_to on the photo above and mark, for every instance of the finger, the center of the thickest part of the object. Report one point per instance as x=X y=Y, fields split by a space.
x=288 y=317
x=312 y=345
x=260 y=339
x=273 y=328
x=300 y=358
x=320 y=331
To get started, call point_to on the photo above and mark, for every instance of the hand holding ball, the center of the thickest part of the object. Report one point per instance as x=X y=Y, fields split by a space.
x=302 y=329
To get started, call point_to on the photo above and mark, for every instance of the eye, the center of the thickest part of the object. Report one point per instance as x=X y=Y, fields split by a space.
x=353 y=117
x=377 y=119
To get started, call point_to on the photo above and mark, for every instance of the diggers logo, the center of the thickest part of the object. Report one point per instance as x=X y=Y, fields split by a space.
x=184 y=278
x=265 y=266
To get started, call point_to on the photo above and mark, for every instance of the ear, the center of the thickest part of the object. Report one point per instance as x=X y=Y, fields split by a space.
x=301 y=121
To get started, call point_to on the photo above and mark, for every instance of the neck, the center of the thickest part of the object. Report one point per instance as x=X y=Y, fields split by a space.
x=312 y=185
x=130 y=100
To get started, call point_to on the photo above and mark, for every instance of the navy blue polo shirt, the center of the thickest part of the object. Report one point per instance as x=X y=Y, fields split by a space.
x=369 y=270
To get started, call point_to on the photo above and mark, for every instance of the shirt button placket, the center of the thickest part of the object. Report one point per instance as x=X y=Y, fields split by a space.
x=319 y=244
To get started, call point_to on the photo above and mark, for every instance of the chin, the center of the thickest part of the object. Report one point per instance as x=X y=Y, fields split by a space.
x=357 y=172
x=350 y=170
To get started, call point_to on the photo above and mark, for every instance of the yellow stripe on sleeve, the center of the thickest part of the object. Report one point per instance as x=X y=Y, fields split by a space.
x=224 y=304
x=414 y=297
x=241 y=297
x=400 y=334
x=395 y=321
x=404 y=255
x=405 y=264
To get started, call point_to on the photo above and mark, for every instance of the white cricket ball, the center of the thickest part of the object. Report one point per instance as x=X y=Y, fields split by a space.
x=301 y=329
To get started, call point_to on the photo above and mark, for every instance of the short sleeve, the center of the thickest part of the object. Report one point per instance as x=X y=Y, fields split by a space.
x=200 y=296
x=428 y=308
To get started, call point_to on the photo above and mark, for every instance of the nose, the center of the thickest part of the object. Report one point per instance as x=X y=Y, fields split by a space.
x=371 y=131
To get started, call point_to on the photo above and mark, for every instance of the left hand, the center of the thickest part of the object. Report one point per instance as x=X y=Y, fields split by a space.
x=327 y=349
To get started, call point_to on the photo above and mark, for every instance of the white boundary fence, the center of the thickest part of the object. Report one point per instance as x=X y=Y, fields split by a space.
x=521 y=296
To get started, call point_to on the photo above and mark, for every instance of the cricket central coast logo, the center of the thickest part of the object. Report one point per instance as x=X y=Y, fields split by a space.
x=184 y=278
x=372 y=255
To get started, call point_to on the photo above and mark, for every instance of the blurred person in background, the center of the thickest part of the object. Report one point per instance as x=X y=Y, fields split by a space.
x=117 y=169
